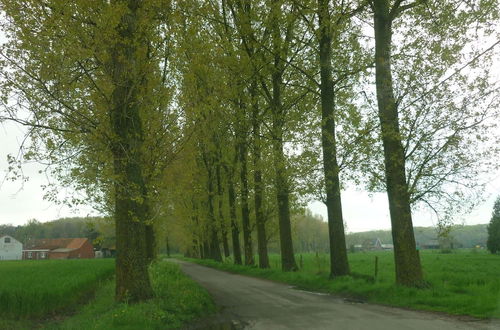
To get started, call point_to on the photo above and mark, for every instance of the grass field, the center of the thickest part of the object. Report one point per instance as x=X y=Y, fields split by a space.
x=50 y=294
x=463 y=282
x=36 y=288
x=178 y=300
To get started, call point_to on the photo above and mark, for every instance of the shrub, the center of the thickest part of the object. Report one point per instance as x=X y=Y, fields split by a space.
x=493 y=242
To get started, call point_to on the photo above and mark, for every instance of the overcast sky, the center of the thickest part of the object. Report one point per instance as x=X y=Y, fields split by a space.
x=20 y=202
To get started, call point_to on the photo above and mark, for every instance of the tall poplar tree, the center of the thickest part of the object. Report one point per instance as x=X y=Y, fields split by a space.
x=338 y=252
x=429 y=127
x=88 y=75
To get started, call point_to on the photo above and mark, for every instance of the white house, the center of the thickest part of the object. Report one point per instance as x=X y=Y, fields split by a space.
x=10 y=248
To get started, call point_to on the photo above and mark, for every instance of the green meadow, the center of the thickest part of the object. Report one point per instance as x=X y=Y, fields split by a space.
x=79 y=294
x=36 y=288
x=463 y=282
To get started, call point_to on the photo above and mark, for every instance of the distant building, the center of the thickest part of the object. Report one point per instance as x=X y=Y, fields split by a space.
x=432 y=244
x=106 y=246
x=10 y=248
x=108 y=252
x=59 y=248
x=372 y=244
x=387 y=246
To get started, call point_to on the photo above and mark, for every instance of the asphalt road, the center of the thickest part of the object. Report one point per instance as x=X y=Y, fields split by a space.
x=251 y=303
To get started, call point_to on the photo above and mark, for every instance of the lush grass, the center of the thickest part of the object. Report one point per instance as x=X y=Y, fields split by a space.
x=178 y=300
x=463 y=283
x=40 y=288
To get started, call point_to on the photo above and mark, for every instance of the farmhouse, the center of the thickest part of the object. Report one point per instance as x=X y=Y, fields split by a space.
x=59 y=248
x=372 y=244
x=10 y=248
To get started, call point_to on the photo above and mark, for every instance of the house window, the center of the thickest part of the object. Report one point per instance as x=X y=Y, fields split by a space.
x=7 y=240
x=30 y=255
x=43 y=255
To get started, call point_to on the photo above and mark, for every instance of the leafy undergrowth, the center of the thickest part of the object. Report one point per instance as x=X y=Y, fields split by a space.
x=40 y=288
x=178 y=300
x=462 y=283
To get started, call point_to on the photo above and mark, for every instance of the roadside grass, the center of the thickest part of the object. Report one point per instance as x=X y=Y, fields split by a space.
x=177 y=300
x=461 y=283
x=40 y=288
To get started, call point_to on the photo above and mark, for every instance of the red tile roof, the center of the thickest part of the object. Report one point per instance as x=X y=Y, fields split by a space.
x=55 y=243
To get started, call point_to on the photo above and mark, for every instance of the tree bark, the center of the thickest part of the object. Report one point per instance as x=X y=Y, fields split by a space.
x=131 y=202
x=257 y=178
x=206 y=254
x=278 y=121
x=282 y=196
x=225 y=241
x=198 y=239
x=167 y=245
x=220 y=200
x=407 y=260
x=151 y=251
x=339 y=265
x=214 y=245
x=235 y=232
x=245 y=212
x=247 y=36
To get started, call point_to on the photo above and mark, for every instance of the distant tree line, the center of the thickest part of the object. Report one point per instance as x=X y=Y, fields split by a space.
x=309 y=232
x=311 y=235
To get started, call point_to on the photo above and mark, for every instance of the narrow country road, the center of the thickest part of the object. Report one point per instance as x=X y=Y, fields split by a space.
x=253 y=303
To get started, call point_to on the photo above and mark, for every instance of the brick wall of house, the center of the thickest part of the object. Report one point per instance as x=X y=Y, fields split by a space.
x=86 y=251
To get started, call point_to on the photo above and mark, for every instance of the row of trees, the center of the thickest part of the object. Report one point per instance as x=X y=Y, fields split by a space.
x=226 y=115
x=286 y=60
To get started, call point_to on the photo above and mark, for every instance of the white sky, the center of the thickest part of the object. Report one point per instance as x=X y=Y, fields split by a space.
x=20 y=202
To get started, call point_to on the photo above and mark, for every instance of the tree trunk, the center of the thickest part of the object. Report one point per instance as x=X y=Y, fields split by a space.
x=214 y=245
x=278 y=121
x=235 y=232
x=168 y=245
x=220 y=199
x=198 y=239
x=282 y=196
x=257 y=177
x=132 y=278
x=245 y=212
x=131 y=208
x=225 y=241
x=339 y=265
x=407 y=260
x=150 y=243
x=206 y=249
